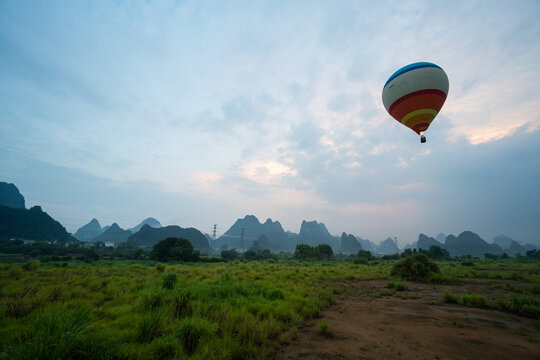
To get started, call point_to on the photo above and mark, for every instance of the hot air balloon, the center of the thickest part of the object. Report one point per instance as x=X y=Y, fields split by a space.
x=415 y=94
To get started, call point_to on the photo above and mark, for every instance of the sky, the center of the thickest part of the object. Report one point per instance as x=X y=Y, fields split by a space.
x=201 y=112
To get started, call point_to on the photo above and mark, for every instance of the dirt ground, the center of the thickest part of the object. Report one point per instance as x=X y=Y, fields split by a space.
x=368 y=323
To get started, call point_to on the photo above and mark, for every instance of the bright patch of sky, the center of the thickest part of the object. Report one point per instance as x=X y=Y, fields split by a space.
x=202 y=112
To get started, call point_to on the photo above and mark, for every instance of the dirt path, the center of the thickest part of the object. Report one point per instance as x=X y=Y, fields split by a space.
x=366 y=323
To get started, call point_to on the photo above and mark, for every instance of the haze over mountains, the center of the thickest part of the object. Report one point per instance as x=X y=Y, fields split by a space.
x=34 y=224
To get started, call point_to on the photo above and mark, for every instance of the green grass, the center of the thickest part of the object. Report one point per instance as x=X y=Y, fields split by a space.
x=146 y=310
x=137 y=309
x=398 y=286
x=473 y=300
x=449 y=297
x=169 y=281
x=323 y=328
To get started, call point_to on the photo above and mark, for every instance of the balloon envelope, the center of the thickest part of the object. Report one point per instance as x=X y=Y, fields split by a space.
x=415 y=94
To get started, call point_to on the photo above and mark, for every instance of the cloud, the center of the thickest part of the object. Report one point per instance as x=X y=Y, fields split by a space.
x=264 y=108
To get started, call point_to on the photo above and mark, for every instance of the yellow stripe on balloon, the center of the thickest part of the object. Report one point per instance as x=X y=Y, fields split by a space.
x=418 y=112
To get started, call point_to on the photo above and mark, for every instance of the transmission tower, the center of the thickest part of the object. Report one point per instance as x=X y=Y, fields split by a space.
x=214 y=236
x=242 y=239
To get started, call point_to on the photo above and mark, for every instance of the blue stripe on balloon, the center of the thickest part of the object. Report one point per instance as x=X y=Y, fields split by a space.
x=410 y=67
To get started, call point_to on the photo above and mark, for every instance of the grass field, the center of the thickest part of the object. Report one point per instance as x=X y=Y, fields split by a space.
x=144 y=310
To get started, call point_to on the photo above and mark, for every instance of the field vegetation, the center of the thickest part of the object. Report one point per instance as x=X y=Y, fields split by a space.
x=143 y=309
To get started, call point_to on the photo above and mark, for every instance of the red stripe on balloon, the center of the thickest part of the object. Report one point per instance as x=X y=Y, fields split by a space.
x=418 y=93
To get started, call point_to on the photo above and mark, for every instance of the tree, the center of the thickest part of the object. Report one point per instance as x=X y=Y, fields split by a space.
x=229 y=254
x=304 y=251
x=325 y=251
x=175 y=249
x=436 y=252
x=407 y=252
x=364 y=254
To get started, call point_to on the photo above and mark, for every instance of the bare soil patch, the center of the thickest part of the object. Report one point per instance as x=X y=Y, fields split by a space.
x=368 y=323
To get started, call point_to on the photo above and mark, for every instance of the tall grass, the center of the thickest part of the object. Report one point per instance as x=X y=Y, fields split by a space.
x=193 y=331
x=127 y=310
x=55 y=334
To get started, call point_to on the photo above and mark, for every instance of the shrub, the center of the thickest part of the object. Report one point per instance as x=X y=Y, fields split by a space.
x=417 y=268
x=169 y=281
x=467 y=263
x=401 y=287
x=449 y=297
x=192 y=332
x=525 y=305
x=471 y=300
x=323 y=327
x=398 y=286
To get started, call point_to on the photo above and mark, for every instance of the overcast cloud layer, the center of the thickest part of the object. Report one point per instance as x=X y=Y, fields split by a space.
x=201 y=112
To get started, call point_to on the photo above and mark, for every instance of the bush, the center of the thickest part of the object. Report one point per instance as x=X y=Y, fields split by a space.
x=417 y=268
x=192 y=332
x=169 y=281
x=449 y=297
x=525 y=305
x=467 y=263
x=31 y=265
x=471 y=300
x=401 y=287
x=323 y=327
x=398 y=286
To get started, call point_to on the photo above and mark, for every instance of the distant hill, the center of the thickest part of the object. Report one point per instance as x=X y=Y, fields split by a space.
x=503 y=241
x=149 y=221
x=515 y=248
x=89 y=231
x=387 y=247
x=30 y=224
x=349 y=244
x=10 y=196
x=441 y=238
x=425 y=242
x=367 y=245
x=469 y=243
x=114 y=234
x=314 y=233
x=147 y=236
x=413 y=245
x=253 y=229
